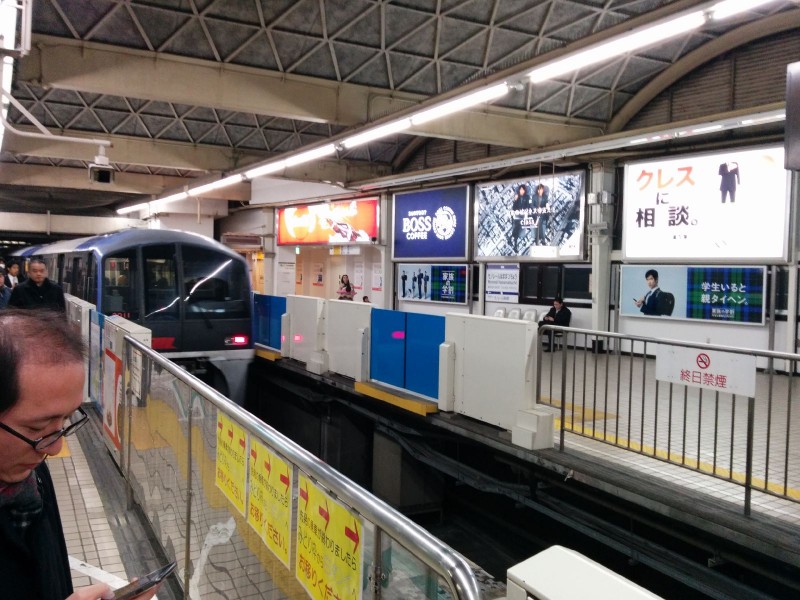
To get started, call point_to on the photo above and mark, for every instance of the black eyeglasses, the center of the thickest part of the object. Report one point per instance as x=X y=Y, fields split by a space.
x=44 y=442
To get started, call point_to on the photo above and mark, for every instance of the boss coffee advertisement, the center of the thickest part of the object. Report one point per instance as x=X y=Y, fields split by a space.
x=431 y=224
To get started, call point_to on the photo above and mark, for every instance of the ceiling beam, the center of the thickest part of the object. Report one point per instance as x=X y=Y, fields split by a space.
x=744 y=34
x=65 y=64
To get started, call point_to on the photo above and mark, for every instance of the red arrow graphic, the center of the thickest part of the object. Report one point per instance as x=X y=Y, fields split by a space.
x=352 y=534
x=268 y=466
x=323 y=512
x=304 y=495
x=241 y=443
x=285 y=479
x=219 y=424
x=230 y=433
x=254 y=454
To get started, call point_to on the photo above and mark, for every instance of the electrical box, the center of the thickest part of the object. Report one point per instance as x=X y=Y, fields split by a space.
x=79 y=314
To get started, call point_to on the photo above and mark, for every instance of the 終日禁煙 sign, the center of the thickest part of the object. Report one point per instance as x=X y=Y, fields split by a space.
x=431 y=224
x=231 y=471
x=330 y=553
x=708 y=369
x=270 y=500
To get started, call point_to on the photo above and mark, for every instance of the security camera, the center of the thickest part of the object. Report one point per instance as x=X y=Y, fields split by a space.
x=101 y=171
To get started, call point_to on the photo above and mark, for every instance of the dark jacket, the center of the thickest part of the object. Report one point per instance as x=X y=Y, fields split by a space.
x=30 y=295
x=36 y=566
x=650 y=304
x=5 y=294
x=561 y=318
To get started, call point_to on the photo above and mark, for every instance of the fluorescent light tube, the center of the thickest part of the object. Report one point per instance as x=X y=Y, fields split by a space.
x=130 y=209
x=728 y=8
x=376 y=133
x=618 y=46
x=459 y=104
x=215 y=185
x=310 y=155
x=265 y=169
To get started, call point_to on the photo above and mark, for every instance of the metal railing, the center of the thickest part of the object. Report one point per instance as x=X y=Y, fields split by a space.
x=168 y=458
x=606 y=388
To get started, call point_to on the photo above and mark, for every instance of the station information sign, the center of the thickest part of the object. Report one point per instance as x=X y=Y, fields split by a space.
x=330 y=555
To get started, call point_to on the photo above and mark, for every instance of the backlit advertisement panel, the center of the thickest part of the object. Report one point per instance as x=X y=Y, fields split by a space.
x=431 y=224
x=344 y=222
x=730 y=205
x=432 y=283
x=537 y=217
x=722 y=294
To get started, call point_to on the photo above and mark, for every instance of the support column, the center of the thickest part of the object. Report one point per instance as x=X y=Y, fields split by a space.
x=601 y=219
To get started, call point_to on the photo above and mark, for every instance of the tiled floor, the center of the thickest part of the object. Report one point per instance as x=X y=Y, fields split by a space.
x=617 y=398
x=105 y=541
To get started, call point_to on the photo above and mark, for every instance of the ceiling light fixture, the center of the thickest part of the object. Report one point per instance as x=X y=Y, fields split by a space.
x=459 y=104
x=215 y=185
x=134 y=208
x=376 y=133
x=728 y=8
x=265 y=169
x=618 y=46
x=309 y=155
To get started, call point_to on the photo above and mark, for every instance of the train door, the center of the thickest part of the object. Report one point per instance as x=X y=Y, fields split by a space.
x=216 y=300
x=119 y=295
x=162 y=301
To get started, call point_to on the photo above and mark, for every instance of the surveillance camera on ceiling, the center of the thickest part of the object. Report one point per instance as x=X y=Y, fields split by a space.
x=101 y=171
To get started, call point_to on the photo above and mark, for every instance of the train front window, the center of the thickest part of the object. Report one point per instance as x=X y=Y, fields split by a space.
x=214 y=285
x=119 y=293
x=161 y=299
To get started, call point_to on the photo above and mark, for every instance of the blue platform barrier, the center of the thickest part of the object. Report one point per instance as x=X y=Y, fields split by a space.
x=388 y=347
x=267 y=312
x=424 y=334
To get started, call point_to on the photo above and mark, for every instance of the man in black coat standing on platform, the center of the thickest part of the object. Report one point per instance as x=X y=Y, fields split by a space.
x=38 y=291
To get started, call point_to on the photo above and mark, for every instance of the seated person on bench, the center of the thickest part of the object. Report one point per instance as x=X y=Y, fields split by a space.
x=557 y=315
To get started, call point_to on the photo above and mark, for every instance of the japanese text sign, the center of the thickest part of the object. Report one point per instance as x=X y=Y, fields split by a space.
x=432 y=283
x=270 y=501
x=707 y=369
x=707 y=207
x=231 y=469
x=329 y=549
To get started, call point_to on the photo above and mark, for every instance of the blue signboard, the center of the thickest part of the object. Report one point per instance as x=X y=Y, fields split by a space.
x=431 y=224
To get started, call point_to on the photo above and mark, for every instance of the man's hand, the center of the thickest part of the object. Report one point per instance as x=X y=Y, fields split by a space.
x=93 y=592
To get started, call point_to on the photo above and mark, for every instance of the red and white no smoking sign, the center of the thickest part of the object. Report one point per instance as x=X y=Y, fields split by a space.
x=710 y=369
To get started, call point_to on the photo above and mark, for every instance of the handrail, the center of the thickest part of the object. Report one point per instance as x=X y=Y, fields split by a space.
x=672 y=342
x=439 y=557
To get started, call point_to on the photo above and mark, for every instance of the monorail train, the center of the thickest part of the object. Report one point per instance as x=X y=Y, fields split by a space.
x=192 y=292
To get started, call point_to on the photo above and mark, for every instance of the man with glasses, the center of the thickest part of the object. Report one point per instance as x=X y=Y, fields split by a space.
x=40 y=404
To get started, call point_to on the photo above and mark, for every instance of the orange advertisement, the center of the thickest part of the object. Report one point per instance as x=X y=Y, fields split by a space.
x=345 y=222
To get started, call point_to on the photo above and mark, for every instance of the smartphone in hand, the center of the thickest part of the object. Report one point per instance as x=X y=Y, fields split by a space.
x=144 y=583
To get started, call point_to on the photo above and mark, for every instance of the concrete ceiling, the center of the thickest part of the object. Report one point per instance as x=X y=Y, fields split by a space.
x=187 y=89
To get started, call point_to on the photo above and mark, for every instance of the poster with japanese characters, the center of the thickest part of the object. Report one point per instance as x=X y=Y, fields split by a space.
x=432 y=283
x=502 y=283
x=702 y=293
x=708 y=207
x=539 y=217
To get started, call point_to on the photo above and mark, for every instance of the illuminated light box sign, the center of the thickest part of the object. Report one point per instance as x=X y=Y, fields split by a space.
x=702 y=293
x=708 y=206
x=431 y=224
x=432 y=283
x=502 y=283
x=538 y=217
x=346 y=222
